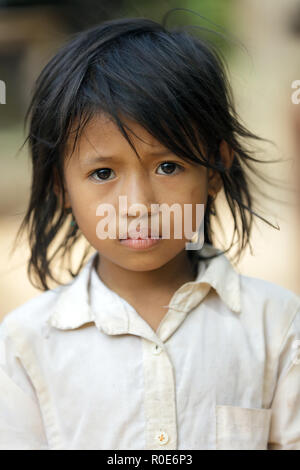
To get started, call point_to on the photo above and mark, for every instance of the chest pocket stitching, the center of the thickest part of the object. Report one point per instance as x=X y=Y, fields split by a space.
x=242 y=428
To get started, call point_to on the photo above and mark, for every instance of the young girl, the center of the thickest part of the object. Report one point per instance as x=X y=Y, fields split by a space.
x=151 y=345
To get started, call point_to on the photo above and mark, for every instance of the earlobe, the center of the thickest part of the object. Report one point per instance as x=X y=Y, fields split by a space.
x=67 y=200
x=56 y=187
x=57 y=191
x=226 y=153
x=214 y=182
x=214 y=178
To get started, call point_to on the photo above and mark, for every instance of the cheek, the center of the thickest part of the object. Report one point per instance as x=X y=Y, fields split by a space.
x=95 y=217
x=198 y=200
x=198 y=194
x=189 y=190
x=195 y=192
x=84 y=209
x=192 y=198
x=194 y=187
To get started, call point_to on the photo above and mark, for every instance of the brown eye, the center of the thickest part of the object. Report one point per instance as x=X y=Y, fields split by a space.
x=101 y=174
x=169 y=167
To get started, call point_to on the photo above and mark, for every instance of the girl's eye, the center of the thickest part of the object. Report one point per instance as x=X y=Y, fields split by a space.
x=103 y=174
x=169 y=167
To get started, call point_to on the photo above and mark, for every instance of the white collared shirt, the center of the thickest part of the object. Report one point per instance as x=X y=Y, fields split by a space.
x=81 y=369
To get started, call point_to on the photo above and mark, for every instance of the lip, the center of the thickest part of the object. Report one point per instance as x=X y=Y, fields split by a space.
x=140 y=243
x=142 y=236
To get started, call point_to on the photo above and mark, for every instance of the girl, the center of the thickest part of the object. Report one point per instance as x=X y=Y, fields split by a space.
x=151 y=345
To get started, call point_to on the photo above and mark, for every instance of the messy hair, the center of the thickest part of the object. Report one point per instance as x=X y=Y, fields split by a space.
x=171 y=82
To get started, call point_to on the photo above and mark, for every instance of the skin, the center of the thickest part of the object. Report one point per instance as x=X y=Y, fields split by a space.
x=157 y=272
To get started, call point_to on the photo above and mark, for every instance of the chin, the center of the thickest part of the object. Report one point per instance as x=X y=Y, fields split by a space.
x=148 y=263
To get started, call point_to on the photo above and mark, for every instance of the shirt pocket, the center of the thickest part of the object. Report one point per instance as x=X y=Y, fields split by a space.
x=240 y=428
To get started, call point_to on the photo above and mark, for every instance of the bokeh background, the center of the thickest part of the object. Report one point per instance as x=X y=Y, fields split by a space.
x=262 y=48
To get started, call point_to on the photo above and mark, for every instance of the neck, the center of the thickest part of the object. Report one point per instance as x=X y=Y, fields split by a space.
x=132 y=284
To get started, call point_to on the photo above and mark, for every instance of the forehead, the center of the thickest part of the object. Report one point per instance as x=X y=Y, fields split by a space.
x=101 y=134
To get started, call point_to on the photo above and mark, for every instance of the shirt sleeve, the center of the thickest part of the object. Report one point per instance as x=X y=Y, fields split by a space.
x=285 y=419
x=21 y=424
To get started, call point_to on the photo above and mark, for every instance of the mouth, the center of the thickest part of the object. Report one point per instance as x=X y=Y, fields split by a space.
x=141 y=237
x=147 y=242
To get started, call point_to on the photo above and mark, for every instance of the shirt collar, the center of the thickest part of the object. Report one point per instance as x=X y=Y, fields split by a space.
x=112 y=314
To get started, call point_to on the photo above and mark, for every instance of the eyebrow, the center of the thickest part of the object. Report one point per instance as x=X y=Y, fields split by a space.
x=105 y=158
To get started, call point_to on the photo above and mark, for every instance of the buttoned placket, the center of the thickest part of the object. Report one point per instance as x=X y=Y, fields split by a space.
x=159 y=376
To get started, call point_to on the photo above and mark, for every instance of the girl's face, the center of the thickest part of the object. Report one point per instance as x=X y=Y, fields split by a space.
x=159 y=177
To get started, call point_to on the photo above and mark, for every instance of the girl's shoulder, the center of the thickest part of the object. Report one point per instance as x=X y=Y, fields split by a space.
x=273 y=307
x=32 y=314
x=267 y=287
x=253 y=298
x=267 y=294
x=36 y=312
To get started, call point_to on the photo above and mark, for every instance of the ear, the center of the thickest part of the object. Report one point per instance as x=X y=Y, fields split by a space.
x=214 y=177
x=57 y=190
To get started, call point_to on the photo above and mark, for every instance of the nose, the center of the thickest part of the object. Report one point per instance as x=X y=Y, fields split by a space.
x=140 y=194
x=136 y=208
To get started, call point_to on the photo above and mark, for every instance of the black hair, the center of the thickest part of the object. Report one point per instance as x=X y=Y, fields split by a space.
x=171 y=82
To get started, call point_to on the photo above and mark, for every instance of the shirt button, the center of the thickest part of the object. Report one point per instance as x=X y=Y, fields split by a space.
x=162 y=437
x=156 y=349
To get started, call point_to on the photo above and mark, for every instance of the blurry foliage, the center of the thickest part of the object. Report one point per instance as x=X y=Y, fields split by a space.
x=211 y=14
x=294 y=20
x=78 y=15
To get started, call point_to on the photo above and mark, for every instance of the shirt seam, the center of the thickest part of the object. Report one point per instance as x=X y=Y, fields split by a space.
x=279 y=379
x=51 y=432
x=297 y=310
